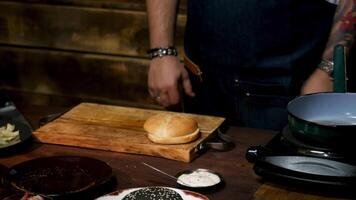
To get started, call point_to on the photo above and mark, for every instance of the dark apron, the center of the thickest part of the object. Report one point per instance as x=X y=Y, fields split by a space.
x=254 y=55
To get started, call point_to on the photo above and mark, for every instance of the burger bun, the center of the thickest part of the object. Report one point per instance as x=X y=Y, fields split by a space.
x=171 y=128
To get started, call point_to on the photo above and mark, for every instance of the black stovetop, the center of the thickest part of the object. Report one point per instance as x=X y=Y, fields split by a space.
x=286 y=158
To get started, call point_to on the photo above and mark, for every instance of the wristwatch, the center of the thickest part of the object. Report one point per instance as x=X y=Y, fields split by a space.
x=327 y=66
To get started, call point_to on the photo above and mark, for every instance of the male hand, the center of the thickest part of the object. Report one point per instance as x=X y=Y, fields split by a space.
x=164 y=78
x=319 y=81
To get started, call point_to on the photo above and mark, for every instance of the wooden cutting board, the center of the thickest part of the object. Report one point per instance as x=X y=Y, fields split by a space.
x=119 y=129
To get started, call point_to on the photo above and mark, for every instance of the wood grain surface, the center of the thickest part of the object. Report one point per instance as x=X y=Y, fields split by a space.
x=241 y=183
x=119 y=129
x=269 y=191
x=113 y=31
x=103 y=78
x=89 y=49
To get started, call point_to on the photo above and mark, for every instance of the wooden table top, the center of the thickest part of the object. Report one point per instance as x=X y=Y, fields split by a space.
x=240 y=180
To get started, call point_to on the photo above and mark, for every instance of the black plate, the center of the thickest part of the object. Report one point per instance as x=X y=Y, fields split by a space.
x=60 y=177
x=25 y=137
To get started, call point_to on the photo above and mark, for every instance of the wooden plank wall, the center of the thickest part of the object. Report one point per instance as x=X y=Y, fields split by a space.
x=91 y=49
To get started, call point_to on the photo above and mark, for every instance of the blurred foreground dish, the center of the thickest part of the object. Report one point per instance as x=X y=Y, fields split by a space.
x=60 y=177
x=153 y=193
x=27 y=196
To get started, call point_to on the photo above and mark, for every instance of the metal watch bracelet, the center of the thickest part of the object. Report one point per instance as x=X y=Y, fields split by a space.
x=160 y=52
x=327 y=66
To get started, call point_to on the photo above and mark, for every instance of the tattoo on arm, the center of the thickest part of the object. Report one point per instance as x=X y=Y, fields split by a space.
x=343 y=29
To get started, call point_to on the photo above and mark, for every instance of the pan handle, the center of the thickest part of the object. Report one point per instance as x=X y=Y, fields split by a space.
x=221 y=142
x=339 y=73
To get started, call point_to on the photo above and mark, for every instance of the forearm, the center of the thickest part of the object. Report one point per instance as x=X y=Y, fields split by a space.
x=161 y=20
x=343 y=29
x=343 y=32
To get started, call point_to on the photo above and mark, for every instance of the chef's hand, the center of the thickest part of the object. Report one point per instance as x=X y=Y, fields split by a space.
x=319 y=81
x=165 y=75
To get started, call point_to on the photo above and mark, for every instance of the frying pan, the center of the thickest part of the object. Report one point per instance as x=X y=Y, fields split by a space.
x=326 y=119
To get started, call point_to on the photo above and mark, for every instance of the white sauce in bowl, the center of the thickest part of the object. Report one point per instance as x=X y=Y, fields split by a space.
x=199 y=178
